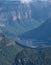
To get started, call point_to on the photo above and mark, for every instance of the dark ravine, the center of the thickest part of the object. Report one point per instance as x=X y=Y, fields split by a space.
x=41 y=34
x=24 y=46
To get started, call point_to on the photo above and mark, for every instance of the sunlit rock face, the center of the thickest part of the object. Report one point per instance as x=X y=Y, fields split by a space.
x=18 y=17
x=26 y=1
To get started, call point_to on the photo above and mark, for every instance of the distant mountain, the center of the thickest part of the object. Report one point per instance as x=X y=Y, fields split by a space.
x=41 y=35
x=25 y=33
x=17 y=18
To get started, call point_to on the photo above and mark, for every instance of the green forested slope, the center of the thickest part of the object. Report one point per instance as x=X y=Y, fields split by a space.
x=13 y=54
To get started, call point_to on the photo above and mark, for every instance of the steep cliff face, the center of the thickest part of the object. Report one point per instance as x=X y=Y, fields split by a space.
x=20 y=17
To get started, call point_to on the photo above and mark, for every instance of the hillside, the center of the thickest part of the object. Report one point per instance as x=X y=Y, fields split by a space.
x=39 y=56
x=8 y=50
x=13 y=54
x=25 y=32
x=41 y=35
x=21 y=18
